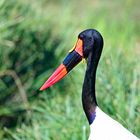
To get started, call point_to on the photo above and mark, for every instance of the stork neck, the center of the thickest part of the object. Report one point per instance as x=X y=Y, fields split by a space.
x=88 y=92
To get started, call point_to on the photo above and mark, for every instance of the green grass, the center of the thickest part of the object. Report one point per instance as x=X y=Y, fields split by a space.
x=35 y=36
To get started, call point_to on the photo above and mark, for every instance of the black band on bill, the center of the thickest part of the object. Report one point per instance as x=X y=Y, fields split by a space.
x=71 y=60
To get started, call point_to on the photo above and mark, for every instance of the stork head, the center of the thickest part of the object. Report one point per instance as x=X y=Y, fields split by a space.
x=85 y=44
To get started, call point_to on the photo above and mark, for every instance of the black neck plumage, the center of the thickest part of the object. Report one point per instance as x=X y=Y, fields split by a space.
x=88 y=92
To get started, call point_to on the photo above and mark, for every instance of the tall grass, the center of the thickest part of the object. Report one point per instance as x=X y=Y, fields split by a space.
x=35 y=37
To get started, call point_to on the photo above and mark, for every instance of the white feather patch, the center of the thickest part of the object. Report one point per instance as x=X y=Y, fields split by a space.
x=105 y=128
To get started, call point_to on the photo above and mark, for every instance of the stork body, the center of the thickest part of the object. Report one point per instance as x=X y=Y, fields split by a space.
x=89 y=46
x=105 y=128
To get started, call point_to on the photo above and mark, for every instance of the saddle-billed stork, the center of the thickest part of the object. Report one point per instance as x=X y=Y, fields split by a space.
x=89 y=46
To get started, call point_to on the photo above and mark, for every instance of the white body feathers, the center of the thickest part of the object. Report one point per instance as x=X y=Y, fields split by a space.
x=105 y=128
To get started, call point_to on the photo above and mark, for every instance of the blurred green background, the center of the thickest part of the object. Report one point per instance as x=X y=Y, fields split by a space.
x=35 y=36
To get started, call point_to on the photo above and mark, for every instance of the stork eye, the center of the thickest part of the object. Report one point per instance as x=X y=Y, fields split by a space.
x=90 y=39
